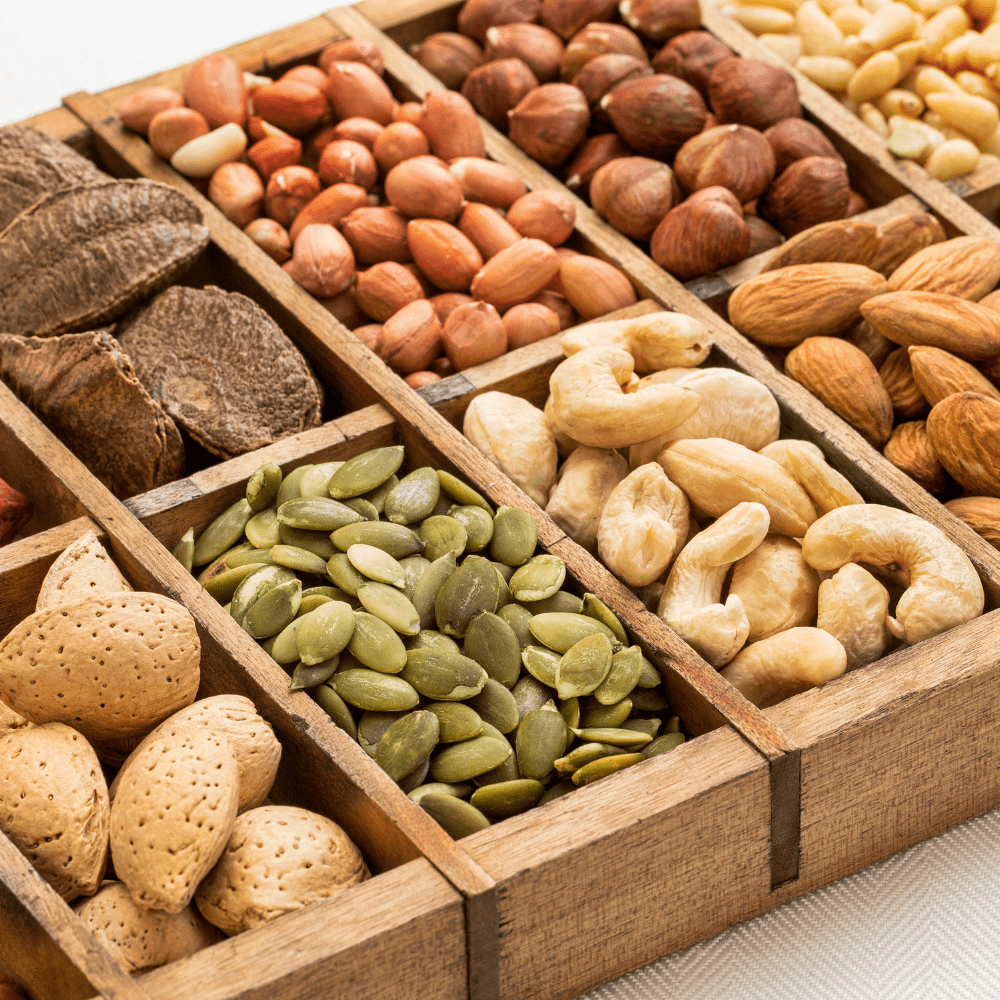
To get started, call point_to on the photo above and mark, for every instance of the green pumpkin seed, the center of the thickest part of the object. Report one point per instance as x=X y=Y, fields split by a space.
x=333 y=593
x=312 y=541
x=442 y=676
x=517 y=618
x=583 y=666
x=301 y=559
x=376 y=644
x=428 y=638
x=582 y=754
x=337 y=709
x=455 y=816
x=390 y=605
x=456 y=720
x=648 y=726
x=314 y=483
x=311 y=603
x=377 y=496
x=363 y=507
x=462 y=494
x=308 y=677
x=626 y=668
x=561 y=630
x=396 y=539
x=541 y=741
x=607 y=716
x=184 y=550
x=650 y=676
x=507 y=798
x=251 y=557
x=606 y=765
x=374 y=692
x=365 y=472
x=348 y=661
x=569 y=709
x=413 y=570
x=376 y=565
x=263 y=528
x=530 y=693
x=542 y=664
x=273 y=610
x=538 y=578
x=414 y=497
x=317 y=514
x=223 y=533
x=504 y=570
x=628 y=739
x=496 y=705
x=556 y=791
x=472 y=588
x=440 y=788
x=221 y=563
x=492 y=643
x=562 y=601
x=290 y=485
x=515 y=535
x=441 y=535
x=648 y=700
x=372 y=726
x=407 y=743
x=263 y=486
x=416 y=777
x=504 y=599
x=506 y=771
x=429 y=586
x=283 y=648
x=324 y=632
x=255 y=585
x=465 y=760
x=594 y=607
x=340 y=569
x=673 y=725
x=224 y=584
x=478 y=525
x=663 y=744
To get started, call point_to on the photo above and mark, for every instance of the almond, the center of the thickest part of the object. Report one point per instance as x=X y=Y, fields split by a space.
x=900 y=238
x=844 y=378
x=965 y=431
x=939 y=374
x=377 y=234
x=957 y=325
x=910 y=449
x=897 y=377
x=423 y=188
x=982 y=514
x=487 y=228
x=516 y=274
x=411 y=339
x=451 y=126
x=783 y=307
x=215 y=88
x=384 y=289
x=83 y=569
x=294 y=106
x=967 y=266
x=448 y=257
x=355 y=90
x=593 y=287
x=846 y=240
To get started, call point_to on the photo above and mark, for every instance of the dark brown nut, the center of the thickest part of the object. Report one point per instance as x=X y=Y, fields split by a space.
x=856 y=204
x=496 y=87
x=444 y=254
x=659 y=20
x=377 y=234
x=592 y=155
x=544 y=215
x=344 y=161
x=289 y=190
x=489 y=231
x=424 y=188
x=236 y=189
x=384 y=289
x=539 y=47
x=354 y=89
x=331 y=206
x=274 y=152
x=411 y=339
x=567 y=17
x=600 y=74
x=322 y=262
x=292 y=105
x=730 y=156
x=451 y=126
x=655 y=115
x=449 y=56
x=473 y=334
x=763 y=236
x=598 y=39
x=633 y=193
x=794 y=139
x=351 y=50
x=271 y=237
x=692 y=56
x=397 y=142
x=477 y=16
x=810 y=191
x=752 y=93
x=550 y=122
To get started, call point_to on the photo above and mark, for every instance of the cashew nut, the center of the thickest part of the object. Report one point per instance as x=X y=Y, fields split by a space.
x=733 y=406
x=589 y=405
x=717 y=474
x=771 y=670
x=943 y=589
x=516 y=437
x=804 y=462
x=643 y=526
x=656 y=340
x=854 y=609
x=777 y=587
x=564 y=443
x=690 y=600
x=585 y=482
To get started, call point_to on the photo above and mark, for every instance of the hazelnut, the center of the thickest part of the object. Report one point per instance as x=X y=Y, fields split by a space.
x=809 y=191
x=138 y=109
x=544 y=215
x=633 y=193
x=592 y=155
x=473 y=334
x=496 y=87
x=700 y=235
x=489 y=231
x=289 y=190
x=528 y=322
x=354 y=89
x=344 y=161
x=384 y=289
x=549 y=123
x=567 y=17
x=793 y=139
x=411 y=339
x=451 y=126
x=597 y=39
x=660 y=19
x=692 y=56
x=856 y=204
x=397 y=142
x=449 y=56
x=271 y=237
x=593 y=287
x=175 y=127
x=274 y=152
x=477 y=16
x=377 y=234
x=752 y=93
x=540 y=48
x=330 y=206
x=601 y=73
x=655 y=115
x=236 y=189
x=445 y=254
x=763 y=236
x=322 y=262
x=362 y=130
x=351 y=50
x=424 y=188
x=730 y=156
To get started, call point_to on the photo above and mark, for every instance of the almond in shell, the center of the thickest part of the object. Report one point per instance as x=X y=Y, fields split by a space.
x=84 y=568
x=939 y=374
x=910 y=449
x=967 y=266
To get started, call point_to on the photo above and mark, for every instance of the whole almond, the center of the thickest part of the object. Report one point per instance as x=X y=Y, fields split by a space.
x=982 y=514
x=451 y=126
x=411 y=339
x=215 y=87
x=292 y=105
x=289 y=190
x=544 y=215
x=488 y=182
x=377 y=234
x=83 y=568
x=781 y=308
x=593 y=287
x=359 y=50
x=173 y=128
x=965 y=431
x=910 y=449
x=897 y=377
x=399 y=141
x=939 y=374
x=967 y=266
x=845 y=379
x=849 y=241
x=446 y=256
x=900 y=238
x=515 y=274
x=331 y=206
x=354 y=89
x=529 y=322
x=322 y=261
x=138 y=109
x=866 y=338
x=957 y=325
x=473 y=334
x=385 y=288
x=487 y=228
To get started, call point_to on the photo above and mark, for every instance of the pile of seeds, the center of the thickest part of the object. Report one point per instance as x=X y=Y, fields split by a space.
x=427 y=628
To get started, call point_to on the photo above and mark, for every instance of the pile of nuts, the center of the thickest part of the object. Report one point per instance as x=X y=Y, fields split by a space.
x=897 y=330
x=437 y=258
x=429 y=630
x=101 y=674
x=638 y=98
x=924 y=75
x=749 y=547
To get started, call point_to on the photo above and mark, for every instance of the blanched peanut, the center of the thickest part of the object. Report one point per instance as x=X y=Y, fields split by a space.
x=874 y=77
x=820 y=35
x=853 y=607
x=585 y=482
x=976 y=117
x=830 y=72
x=953 y=158
x=789 y=47
x=760 y=19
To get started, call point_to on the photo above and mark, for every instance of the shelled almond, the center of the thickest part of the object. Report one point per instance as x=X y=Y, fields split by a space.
x=644 y=116
x=340 y=181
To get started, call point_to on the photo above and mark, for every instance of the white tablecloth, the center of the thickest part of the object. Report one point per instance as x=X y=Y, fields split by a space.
x=921 y=926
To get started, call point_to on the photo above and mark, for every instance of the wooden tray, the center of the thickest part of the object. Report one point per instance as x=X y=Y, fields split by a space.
x=759 y=808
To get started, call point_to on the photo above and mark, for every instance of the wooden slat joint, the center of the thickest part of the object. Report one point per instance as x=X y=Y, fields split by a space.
x=786 y=817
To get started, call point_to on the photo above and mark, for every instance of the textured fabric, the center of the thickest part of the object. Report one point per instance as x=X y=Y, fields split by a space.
x=922 y=925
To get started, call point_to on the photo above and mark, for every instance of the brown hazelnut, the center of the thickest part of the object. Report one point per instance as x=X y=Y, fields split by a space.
x=384 y=289
x=692 y=56
x=592 y=155
x=236 y=189
x=445 y=254
x=763 y=236
x=411 y=339
x=700 y=235
x=540 y=48
x=655 y=115
x=271 y=237
x=449 y=56
x=856 y=204
x=351 y=50
x=477 y=16
x=354 y=89
x=322 y=262
x=809 y=191
x=474 y=334
x=598 y=39
x=549 y=123
x=344 y=161
x=633 y=193
x=377 y=234
x=399 y=141
x=496 y=87
x=528 y=322
x=424 y=188
x=601 y=73
x=567 y=17
x=752 y=93
x=730 y=156
x=660 y=19
x=289 y=190
x=793 y=139
x=544 y=215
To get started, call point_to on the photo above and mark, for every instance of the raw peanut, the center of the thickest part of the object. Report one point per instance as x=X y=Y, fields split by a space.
x=139 y=109
x=271 y=237
x=291 y=104
x=593 y=287
x=355 y=90
x=237 y=190
x=447 y=302
x=312 y=75
x=516 y=274
x=215 y=87
x=351 y=50
x=411 y=339
x=322 y=261
x=377 y=234
x=544 y=215
x=331 y=206
x=558 y=304
x=417 y=380
x=487 y=229
x=175 y=127
x=473 y=334
x=346 y=162
x=444 y=254
x=384 y=289
x=357 y=129
x=529 y=322
x=423 y=188
x=274 y=152
x=487 y=182
x=451 y=126
x=344 y=308
x=289 y=190
x=399 y=141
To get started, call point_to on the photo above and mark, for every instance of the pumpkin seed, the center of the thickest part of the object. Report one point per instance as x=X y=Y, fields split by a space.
x=377 y=496
x=376 y=644
x=324 y=632
x=606 y=765
x=283 y=647
x=663 y=744
x=263 y=529
x=561 y=631
x=416 y=777
x=504 y=599
x=648 y=700
x=314 y=483
x=363 y=507
x=263 y=486
x=376 y=565
x=594 y=607
x=626 y=738
x=312 y=541
x=290 y=485
x=442 y=534
x=374 y=692
x=311 y=603
x=454 y=815
x=414 y=497
x=570 y=711
x=443 y=676
x=465 y=760
x=650 y=676
x=556 y=791
x=478 y=526
x=626 y=667
x=251 y=557
x=561 y=601
x=428 y=638
x=396 y=539
x=607 y=716
x=390 y=605
x=506 y=771
x=316 y=514
x=496 y=705
x=184 y=550
x=648 y=726
x=440 y=788
x=407 y=743
x=530 y=693
x=517 y=618
x=308 y=677
x=333 y=593
x=221 y=563
x=223 y=533
x=413 y=570
x=223 y=585
x=507 y=798
x=372 y=726
x=457 y=721
x=515 y=535
x=273 y=610
x=301 y=559
x=337 y=709
x=673 y=725
x=583 y=666
x=342 y=572
x=462 y=494
x=580 y=755
x=504 y=570
x=472 y=588
x=541 y=740
x=429 y=586
x=538 y=578
x=255 y=585
x=491 y=642
x=542 y=664
x=365 y=472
